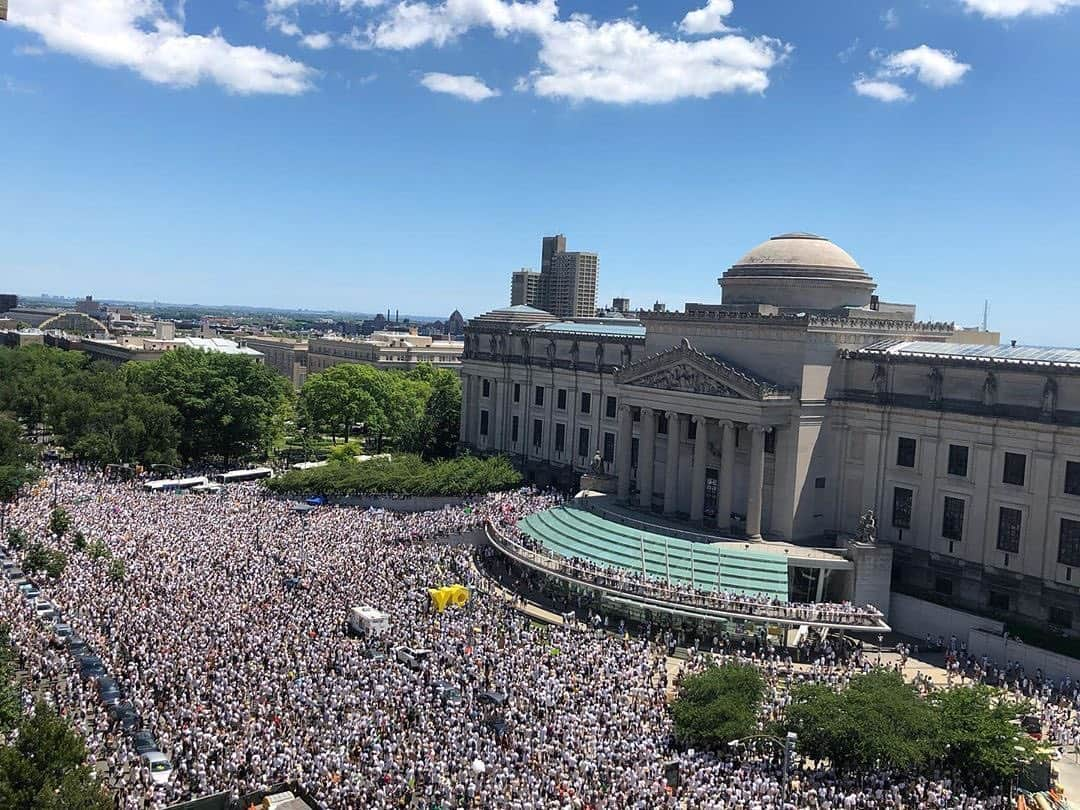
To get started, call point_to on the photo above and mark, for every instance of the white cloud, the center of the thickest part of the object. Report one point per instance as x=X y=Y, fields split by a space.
x=317 y=42
x=709 y=19
x=848 y=52
x=891 y=18
x=880 y=89
x=469 y=88
x=1008 y=9
x=623 y=63
x=141 y=35
x=930 y=66
x=620 y=61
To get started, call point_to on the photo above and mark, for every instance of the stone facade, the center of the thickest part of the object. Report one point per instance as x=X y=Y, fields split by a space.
x=782 y=420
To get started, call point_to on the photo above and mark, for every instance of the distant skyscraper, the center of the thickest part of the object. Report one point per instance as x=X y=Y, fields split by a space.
x=8 y=301
x=620 y=305
x=567 y=280
x=525 y=287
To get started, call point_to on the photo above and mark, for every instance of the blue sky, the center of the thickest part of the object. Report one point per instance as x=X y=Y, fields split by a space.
x=207 y=152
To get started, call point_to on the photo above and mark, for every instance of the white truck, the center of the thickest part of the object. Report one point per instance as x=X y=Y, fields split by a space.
x=367 y=621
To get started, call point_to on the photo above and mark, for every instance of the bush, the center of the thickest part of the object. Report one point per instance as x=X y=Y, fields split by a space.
x=40 y=558
x=718 y=706
x=59 y=522
x=17 y=539
x=404 y=475
x=117 y=573
x=97 y=550
x=79 y=539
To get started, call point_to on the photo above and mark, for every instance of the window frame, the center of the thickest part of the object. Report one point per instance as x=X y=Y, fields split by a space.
x=1012 y=543
x=583 y=438
x=1072 y=558
x=910 y=507
x=1009 y=454
x=949 y=460
x=538 y=397
x=901 y=452
x=946 y=518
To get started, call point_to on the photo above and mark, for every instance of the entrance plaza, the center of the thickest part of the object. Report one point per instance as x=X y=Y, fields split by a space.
x=642 y=567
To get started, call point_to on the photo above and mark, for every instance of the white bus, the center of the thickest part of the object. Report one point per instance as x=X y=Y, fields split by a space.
x=236 y=476
x=174 y=484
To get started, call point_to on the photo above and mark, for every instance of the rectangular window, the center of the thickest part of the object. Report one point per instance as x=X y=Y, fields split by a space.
x=583 y=442
x=514 y=429
x=1060 y=617
x=901 y=507
x=905 y=452
x=609 y=448
x=610 y=408
x=1069 y=543
x=943 y=585
x=586 y=402
x=483 y=423
x=999 y=600
x=485 y=384
x=560 y=399
x=1009 y=521
x=538 y=397
x=1015 y=469
x=958 y=460
x=538 y=432
x=819 y=483
x=517 y=392
x=560 y=437
x=1072 y=477
x=952 y=519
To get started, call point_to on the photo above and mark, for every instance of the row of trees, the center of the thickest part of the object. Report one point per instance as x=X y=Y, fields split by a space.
x=187 y=405
x=877 y=721
x=419 y=409
x=405 y=475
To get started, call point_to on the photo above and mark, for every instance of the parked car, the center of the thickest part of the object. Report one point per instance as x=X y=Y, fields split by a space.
x=29 y=590
x=45 y=610
x=413 y=659
x=125 y=715
x=1032 y=726
x=76 y=646
x=90 y=667
x=143 y=741
x=61 y=633
x=448 y=694
x=108 y=690
x=159 y=765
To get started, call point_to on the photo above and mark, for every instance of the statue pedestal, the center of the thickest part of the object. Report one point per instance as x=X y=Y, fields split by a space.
x=599 y=482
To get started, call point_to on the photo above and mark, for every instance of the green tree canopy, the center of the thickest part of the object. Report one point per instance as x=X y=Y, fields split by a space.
x=718 y=705
x=977 y=732
x=17 y=459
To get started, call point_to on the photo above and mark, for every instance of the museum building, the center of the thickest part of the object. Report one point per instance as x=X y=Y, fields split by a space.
x=781 y=415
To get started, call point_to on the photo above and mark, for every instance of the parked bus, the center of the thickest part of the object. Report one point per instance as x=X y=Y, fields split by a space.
x=236 y=476
x=174 y=484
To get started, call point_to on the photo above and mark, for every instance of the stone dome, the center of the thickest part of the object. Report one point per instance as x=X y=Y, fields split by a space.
x=798 y=271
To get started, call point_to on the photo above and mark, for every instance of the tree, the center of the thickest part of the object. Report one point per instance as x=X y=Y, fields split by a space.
x=718 y=705
x=434 y=432
x=228 y=405
x=10 y=705
x=39 y=558
x=878 y=720
x=977 y=732
x=17 y=459
x=17 y=538
x=59 y=522
x=45 y=767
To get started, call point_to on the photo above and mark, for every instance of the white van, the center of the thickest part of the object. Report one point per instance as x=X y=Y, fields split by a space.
x=367 y=621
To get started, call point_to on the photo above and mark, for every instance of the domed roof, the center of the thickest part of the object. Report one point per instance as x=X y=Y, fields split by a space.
x=799 y=250
x=800 y=271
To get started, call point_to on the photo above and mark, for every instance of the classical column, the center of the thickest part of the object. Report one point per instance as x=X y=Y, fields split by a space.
x=697 y=485
x=494 y=433
x=725 y=486
x=756 y=481
x=622 y=462
x=671 y=467
x=645 y=457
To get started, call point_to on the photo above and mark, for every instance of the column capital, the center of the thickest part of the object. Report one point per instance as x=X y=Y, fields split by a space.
x=624 y=409
x=671 y=414
x=760 y=428
x=700 y=420
x=726 y=423
x=646 y=413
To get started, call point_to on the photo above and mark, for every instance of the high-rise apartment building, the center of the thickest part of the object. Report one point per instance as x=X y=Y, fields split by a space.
x=567 y=281
x=525 y=288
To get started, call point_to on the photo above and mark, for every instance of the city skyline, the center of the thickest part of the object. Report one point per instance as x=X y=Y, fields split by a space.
x=308 y=156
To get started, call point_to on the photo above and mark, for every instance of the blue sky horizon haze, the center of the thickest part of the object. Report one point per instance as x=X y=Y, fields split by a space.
x=364 y=154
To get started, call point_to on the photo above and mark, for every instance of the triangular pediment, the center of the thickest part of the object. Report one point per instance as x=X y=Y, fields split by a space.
x=683 y=368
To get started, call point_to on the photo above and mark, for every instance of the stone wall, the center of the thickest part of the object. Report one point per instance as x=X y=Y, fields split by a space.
x=917 y=617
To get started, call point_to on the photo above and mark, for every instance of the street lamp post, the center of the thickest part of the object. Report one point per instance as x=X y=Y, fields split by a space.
x=787 y=745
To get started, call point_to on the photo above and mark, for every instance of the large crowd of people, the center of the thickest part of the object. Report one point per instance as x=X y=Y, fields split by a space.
x=226 y=634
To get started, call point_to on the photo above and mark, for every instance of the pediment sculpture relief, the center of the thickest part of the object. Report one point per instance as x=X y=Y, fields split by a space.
x=686 y=378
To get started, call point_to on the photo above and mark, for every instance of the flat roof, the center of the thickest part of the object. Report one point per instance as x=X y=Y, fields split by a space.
x=1008 y=355
x=616 y=327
